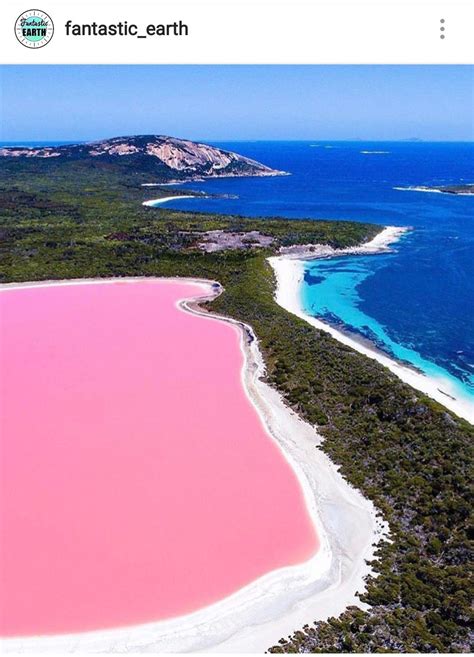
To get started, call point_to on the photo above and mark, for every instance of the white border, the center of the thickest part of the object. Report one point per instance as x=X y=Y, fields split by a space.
x=258 y=32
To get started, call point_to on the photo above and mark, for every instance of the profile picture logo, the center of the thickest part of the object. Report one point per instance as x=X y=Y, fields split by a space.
x=34 y=28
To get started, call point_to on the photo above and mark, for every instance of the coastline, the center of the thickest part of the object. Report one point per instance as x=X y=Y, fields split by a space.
x=256 y=616
x=289 y=272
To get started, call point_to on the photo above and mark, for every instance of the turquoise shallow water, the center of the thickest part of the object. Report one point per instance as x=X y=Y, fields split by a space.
x=331 y=292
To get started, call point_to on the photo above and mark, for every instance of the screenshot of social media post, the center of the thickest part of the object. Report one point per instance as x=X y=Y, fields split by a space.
x=236 y=327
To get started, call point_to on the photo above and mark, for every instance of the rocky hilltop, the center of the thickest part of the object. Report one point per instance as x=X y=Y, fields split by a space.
x=167 y=158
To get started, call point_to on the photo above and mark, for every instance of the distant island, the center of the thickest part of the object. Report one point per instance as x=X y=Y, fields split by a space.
x=457 y=190
x=461 y=190
x=166 y=159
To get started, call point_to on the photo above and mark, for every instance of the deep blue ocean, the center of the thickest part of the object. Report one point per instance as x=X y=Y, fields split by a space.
x=416 y=303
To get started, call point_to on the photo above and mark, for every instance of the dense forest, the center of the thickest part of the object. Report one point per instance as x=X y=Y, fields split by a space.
x=407 y=453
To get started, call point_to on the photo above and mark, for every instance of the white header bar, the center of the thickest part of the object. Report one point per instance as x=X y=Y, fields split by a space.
x=248 y=32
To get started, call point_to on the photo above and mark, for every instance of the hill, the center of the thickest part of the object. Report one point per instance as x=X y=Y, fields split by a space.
x=164 y=158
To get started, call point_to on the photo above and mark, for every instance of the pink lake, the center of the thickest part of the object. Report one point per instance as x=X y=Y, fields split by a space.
x=138 y=482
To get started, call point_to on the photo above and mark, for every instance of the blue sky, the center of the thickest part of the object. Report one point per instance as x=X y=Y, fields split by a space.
x=237 y=102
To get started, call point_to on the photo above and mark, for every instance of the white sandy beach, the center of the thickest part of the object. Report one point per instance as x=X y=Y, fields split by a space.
x=256 y=616
x=289 y=271
x=158 y=201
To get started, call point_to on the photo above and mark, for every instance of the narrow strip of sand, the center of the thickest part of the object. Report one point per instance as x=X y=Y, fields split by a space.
x=289 y=272
x=158 y=201
x=256 y=616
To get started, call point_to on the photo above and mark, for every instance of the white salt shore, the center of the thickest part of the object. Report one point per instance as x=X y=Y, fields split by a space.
x=289 y=271
x=258 y=615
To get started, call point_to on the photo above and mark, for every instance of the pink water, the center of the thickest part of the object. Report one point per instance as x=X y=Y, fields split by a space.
x=137 y=480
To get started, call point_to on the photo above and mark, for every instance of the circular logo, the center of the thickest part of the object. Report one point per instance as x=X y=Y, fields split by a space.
x=34 y=28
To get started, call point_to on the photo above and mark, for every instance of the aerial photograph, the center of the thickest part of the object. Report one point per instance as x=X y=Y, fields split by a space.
x=236 y=359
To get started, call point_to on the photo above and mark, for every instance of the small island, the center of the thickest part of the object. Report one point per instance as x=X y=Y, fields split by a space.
x=455 y=190
x=460 y=190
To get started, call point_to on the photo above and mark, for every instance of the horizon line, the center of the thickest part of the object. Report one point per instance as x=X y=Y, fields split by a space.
x=413 y=140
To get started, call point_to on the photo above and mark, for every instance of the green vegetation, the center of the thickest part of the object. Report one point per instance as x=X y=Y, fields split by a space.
x=404 y=451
